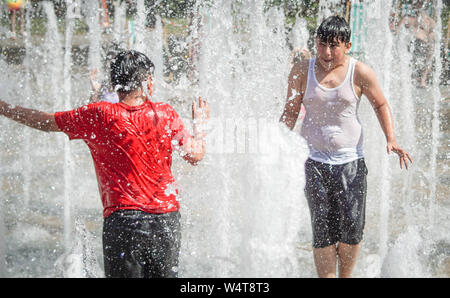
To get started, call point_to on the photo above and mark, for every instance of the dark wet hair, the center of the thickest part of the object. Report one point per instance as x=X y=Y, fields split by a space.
x=129 y=69
x=111 y=52
x=334 y=28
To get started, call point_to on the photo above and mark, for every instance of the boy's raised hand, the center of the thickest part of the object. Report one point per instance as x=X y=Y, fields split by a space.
x=200 y=111
x=402 y=154
x=200 y=115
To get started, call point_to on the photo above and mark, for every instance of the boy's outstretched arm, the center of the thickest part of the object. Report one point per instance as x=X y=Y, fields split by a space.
x=371 y=88
x=30 y=117
x=294 y=96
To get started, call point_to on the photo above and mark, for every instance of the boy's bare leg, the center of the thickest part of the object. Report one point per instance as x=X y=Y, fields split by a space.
x=13 y=24
x=347 y=258
x=325 y=259
x=22 y=20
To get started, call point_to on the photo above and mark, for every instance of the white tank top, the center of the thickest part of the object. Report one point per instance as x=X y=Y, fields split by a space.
x=331 y=125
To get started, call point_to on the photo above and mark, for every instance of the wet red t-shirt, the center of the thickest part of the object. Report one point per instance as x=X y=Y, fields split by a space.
x=132 y=152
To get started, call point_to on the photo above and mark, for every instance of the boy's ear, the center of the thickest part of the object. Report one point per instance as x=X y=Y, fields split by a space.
x=150 y=85
x=348 y=46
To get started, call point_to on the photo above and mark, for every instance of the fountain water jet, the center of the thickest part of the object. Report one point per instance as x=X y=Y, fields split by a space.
x=94 y=34
x=250 y=219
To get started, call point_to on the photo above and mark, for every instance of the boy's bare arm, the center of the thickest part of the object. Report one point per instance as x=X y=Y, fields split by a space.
x=194 y=148
x=367 y=80
x=294 y=94
x=30 y=117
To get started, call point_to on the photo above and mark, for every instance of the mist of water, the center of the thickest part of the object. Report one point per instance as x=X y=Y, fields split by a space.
x=402 y=211
x=243 y=210
x=94 y=34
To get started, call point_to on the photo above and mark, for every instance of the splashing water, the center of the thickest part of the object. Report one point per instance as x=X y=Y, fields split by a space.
x=243 y=210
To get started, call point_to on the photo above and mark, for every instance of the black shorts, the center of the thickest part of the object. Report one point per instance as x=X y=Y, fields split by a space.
x=137 y=244
x=336 y=197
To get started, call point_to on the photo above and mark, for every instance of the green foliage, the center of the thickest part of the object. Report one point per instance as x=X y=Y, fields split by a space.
x=171 y=8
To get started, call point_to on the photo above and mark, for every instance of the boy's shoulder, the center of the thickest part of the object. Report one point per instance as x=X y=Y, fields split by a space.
x=362 y=68
x=363 y=73
x=98 y=104
x=165 y=110
x=92 y=107
x=163 y=106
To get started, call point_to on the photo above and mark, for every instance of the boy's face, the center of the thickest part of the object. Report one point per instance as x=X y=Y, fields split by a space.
x=331 y=54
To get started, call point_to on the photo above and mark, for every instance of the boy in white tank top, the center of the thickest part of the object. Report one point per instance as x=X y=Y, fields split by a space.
x=330 y=87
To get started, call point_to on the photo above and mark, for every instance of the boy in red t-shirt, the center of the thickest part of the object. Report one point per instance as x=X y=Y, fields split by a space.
x=131 y=143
